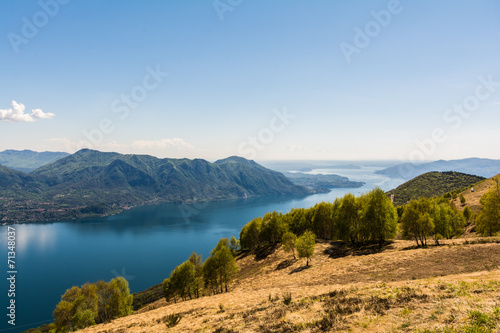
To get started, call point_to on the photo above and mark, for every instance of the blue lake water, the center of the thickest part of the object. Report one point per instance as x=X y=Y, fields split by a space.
x=143 y=244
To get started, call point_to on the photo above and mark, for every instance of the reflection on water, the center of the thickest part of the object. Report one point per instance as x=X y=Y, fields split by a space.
x=145 y=243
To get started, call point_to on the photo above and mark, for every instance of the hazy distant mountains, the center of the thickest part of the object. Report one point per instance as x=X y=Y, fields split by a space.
x=92 y=182
x=28 y=160
x=475 y=166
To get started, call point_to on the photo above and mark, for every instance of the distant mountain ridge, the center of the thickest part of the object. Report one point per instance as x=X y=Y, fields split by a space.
x=94 y=182
x=28 y=160
x=321 y=183
x=475 y=166
x=432 y=184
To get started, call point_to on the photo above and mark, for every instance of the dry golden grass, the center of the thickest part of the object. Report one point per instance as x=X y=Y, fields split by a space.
x=474 y=198
x=402 y=288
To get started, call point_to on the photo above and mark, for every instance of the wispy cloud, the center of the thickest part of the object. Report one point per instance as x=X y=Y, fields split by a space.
x=16 y=114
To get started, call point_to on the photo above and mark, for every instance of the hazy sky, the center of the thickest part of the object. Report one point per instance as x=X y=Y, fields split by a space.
x=300 y=79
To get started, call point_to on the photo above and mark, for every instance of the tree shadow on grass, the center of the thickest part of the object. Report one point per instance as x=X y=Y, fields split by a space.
x=300 y=269
x=343 y=249
x=285 y=264
x=243 y=254
x=264 y=251
x=260 y=253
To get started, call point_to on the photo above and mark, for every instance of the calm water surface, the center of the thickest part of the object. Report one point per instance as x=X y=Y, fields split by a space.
x=143 y=245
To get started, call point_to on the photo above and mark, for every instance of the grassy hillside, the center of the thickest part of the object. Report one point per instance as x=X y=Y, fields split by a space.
x=473 y=198
x=28 y=160
x=363 y=290
x=432 y=184
x=90 y=183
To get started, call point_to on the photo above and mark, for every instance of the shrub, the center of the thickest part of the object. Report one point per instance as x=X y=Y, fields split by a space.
x=287 y=298
x=172 y=319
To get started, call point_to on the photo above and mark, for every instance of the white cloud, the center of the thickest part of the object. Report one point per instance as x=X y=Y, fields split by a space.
x=16 y=114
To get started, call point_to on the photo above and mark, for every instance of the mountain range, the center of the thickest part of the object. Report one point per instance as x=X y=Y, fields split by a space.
x=28 y=160
x=475 y=166
x=91 y=182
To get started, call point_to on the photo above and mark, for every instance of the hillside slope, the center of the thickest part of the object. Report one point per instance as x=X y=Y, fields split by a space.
x=399 y=288
x=432 y=184
x=28 y=160
x=473 y=196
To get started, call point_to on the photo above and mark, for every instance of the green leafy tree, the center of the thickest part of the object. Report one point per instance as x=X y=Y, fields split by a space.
x=467 y=213
x=462 y=199
x=288 y=241
x=77 y=309
x=63 y=316
x=225 y=266
x=234 y=245
x=167 y=290
x=65 y=310
x=124 y=300
x=250 y=234
x=305 y=245
x=417 y=222
x=448 y=222
x=488 y=222
x=348 y=222
x=104 y=302
x=322 y=220
x=219 y=268
x=400 y=210
x=92 y=303
x=222 y=243
x=181 y=280
x=197 y=261
x=85 y=307
x=299 y=221
x=273 y=228
x=378 y=217
x=210 y=275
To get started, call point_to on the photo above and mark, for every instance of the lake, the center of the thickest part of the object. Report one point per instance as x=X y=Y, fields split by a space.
x=143 y=244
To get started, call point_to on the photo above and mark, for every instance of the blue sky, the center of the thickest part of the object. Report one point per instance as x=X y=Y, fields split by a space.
x=303 y=79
